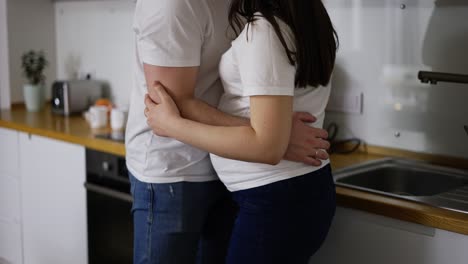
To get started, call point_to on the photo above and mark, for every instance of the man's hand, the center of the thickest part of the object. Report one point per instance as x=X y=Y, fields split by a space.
x=307 y=144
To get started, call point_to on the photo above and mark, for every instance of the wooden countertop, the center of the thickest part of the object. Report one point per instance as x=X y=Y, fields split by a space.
x=73 y=129
x=76 y=130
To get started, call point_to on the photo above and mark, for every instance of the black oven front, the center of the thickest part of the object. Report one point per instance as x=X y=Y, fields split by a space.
x=110 y=225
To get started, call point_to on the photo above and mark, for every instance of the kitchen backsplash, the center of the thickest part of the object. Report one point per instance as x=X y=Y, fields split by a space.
x=37 y=33
x=97 y=38
x=383 y=44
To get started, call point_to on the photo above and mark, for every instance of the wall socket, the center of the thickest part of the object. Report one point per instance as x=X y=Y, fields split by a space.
x=349 y=102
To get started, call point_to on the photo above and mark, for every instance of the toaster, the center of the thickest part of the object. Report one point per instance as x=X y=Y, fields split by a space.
x=70 y=97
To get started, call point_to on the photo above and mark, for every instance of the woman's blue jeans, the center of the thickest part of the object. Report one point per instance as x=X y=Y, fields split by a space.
x=284 y=222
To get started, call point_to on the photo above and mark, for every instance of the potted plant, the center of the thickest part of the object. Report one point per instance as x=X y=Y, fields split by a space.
x=33 y=64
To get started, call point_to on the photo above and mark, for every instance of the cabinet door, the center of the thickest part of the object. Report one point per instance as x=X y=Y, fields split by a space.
x=10 y=243
x=364 y=238
x=9 y=152
x=9 y=176
x=10 y=213
x=54 y=201
x=10 y=205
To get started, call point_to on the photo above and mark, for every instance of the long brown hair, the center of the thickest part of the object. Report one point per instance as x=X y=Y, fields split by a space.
x=315 y=38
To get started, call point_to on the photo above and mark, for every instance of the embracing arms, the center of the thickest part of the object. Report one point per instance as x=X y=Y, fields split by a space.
x=264 y=141
x=304 y=141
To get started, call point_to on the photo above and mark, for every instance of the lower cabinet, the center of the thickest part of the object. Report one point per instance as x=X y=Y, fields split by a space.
x=10 y=220
x=10 y=242
x=53 y=201
x=10 y=199
x=360 y=237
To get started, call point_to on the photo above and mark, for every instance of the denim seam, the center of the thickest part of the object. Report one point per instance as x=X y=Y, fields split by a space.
x=150 y=220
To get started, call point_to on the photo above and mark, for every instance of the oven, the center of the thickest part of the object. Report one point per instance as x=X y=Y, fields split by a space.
x=110 y=224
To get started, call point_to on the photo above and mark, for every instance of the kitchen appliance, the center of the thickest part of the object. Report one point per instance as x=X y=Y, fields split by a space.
x=69 y=97
x=109 y=203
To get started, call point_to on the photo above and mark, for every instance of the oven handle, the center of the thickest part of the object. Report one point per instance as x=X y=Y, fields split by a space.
x=108 y=192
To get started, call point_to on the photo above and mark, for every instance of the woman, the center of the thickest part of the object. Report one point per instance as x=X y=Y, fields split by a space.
x=280 y=62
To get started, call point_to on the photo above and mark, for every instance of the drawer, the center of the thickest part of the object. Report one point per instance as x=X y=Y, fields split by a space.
x=10 y=199
x=10 y=243
x=9 y=154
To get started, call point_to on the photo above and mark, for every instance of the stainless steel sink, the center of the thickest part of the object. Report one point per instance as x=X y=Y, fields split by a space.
x=411 y=180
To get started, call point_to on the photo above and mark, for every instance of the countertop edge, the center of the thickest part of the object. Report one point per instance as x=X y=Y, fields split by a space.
x=403 y=210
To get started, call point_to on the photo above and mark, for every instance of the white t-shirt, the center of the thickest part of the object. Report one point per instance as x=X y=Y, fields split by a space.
x=174 y=33
x=258 y=65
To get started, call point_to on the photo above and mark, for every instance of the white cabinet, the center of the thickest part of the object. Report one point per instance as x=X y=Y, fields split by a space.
x=10 y=243
x=53 y=201
x=10 y=213
x=360 y=237
x=9 y=160
x=42 y=200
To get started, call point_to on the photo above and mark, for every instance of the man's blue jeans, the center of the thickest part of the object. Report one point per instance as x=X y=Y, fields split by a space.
x=181 y=223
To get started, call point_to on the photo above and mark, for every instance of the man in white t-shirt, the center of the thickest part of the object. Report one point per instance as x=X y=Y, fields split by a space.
x=181 y=210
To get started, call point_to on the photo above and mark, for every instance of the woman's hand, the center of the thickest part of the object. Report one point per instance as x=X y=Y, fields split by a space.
x=160 y=110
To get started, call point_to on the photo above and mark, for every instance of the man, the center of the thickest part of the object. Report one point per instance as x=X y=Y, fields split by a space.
x=181 y=212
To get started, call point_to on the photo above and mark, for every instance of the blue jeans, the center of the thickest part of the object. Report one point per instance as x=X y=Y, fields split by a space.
x=181 y=223
x=283 y=222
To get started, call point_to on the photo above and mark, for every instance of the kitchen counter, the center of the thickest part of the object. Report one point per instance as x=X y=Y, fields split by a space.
x=73 y=129
x=397 y=208
x=76 y=130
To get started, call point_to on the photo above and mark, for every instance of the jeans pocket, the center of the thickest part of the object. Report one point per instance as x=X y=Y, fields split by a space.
x=141 y=195
x=256 y=204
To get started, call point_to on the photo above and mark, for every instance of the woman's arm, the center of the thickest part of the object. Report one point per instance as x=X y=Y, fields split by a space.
x=264 y=141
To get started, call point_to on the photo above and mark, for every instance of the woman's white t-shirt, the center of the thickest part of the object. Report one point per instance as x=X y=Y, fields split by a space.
x=257 y=64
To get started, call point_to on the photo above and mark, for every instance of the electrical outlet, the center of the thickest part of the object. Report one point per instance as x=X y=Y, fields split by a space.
x=349 y=102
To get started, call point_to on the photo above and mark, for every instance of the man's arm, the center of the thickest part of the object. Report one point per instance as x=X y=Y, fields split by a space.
x=180 y=83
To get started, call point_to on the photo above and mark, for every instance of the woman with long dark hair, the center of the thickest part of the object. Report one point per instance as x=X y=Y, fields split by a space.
x=281 y=61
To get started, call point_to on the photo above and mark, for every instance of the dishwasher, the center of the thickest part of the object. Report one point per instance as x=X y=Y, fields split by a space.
x=109 y=203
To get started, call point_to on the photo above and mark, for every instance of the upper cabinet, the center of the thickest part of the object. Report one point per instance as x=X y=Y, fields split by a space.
x=24 y=25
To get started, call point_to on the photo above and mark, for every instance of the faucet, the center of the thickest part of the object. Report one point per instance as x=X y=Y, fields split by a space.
x=434 y=77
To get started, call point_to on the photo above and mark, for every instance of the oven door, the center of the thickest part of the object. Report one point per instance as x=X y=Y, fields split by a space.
x=110 y=225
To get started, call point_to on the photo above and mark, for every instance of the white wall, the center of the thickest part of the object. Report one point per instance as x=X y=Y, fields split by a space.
x=382 y=48
x=30 y=26
x=97 y=38
x=4 y=73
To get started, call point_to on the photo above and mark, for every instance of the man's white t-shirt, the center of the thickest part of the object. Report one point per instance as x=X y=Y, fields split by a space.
x=257 y=64
x=174 y=33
